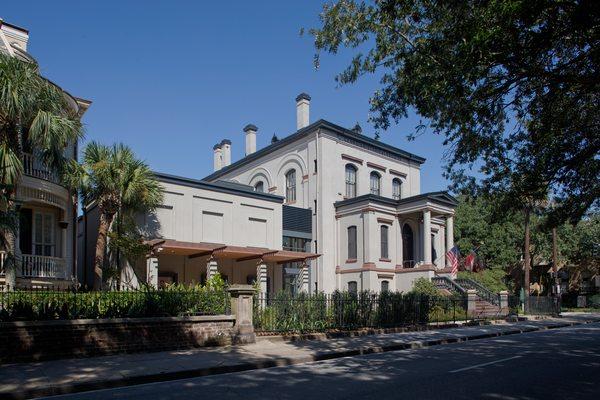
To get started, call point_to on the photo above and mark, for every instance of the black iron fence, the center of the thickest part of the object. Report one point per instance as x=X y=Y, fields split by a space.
x=541 y=305
x=54 y=303
x=283 y=312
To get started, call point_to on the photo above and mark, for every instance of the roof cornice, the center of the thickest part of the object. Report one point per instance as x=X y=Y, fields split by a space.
x=301 y=133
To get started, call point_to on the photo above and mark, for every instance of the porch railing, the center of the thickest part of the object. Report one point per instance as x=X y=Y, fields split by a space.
x=33 y=166
x=43 y=267
x=2 y=257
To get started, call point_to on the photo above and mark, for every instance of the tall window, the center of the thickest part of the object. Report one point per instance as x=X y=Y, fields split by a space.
x=290 y=186
x=259 y=187
x=350 y=181
x=352 y=242
x=384 y=241
x=352 y=287
x=385 y=286
x=396 y=189
x=375 y=183
x=43 y=234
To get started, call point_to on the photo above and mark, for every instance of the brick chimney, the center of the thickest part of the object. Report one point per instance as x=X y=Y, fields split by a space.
x=226 y=149
x=250 y=131
x=302 y=110
x=217 y=157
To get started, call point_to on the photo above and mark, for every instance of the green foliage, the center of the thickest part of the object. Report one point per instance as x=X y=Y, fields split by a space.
x=344 y=310
x=493 y=279
x=174 y=300
x=511 y=85
x=425 y=286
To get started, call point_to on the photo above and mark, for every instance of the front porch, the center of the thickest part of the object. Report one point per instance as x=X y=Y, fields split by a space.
x=192 y=263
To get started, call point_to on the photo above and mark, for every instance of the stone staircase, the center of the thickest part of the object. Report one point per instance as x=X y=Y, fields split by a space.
x=487 y=304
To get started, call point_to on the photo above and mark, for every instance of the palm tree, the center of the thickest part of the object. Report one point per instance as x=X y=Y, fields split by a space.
x=117 y=182
x=33 y=112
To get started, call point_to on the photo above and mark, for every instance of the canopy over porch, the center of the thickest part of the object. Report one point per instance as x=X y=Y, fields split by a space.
x=219 y=254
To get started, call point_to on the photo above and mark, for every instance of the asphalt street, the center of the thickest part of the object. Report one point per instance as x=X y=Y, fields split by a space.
x=554 y=364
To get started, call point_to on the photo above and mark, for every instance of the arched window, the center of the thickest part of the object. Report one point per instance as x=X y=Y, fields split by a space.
x=384 y=241
x=375 y=183
x=290 y=186
x=408 y=260
x=385 y=286
x=350 y=181
x=352 y=287
x=397 y=189
x=352 y=242
x=259 y=187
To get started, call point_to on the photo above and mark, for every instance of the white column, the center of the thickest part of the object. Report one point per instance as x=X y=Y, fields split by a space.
x=212 y=268
x=304 y=277
x=449 y=235
x=261 y=276
x=152 y=271
x=427 y=237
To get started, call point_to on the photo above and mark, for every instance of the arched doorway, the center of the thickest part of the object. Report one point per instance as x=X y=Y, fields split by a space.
x=408 y=259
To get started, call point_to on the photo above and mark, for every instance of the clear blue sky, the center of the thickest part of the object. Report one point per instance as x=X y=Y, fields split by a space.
x=172 y=78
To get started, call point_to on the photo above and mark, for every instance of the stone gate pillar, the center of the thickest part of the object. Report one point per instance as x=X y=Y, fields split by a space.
x=242 y=309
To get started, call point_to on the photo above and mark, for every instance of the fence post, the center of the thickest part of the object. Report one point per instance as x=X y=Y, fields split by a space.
x=504 y=302
x=242 y=308
x=471 y=302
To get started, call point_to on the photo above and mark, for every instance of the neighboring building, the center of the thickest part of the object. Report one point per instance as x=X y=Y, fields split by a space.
x=202 y=228
x=45 y=243
x=370 y=221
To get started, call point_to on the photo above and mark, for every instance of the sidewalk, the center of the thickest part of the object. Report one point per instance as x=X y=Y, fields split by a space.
x=76 y=375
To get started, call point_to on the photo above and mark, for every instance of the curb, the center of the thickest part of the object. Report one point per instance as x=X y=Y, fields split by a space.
x=280 y=362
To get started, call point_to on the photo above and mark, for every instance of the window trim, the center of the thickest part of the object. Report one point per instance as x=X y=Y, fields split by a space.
x=352 y=246
x=397 y=183
x=353 y=185
x=290 y=186
x=371 y=181
x=384 y=233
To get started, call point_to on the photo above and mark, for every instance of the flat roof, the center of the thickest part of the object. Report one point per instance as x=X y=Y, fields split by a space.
x=219 y=186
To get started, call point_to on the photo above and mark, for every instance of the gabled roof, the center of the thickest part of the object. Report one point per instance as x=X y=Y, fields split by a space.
x=435 y=197
x=345 y=133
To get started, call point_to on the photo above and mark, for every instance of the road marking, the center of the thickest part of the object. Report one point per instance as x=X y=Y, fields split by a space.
x=484 y=365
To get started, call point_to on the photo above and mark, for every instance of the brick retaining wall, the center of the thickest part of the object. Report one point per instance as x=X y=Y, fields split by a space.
x=38 y=340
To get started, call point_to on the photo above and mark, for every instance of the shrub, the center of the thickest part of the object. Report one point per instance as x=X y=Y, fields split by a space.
x=424 y=286
x=493 y=279
x=174 y=300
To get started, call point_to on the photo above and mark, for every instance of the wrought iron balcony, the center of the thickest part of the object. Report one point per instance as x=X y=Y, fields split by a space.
x=33 y=166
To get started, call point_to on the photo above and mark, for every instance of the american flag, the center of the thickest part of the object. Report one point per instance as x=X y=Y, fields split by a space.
x=452 y=256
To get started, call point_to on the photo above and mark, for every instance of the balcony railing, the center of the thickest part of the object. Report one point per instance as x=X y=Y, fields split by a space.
x=38 y=267
x=33 y=166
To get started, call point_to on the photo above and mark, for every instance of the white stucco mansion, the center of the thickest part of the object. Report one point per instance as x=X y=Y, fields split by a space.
x=370 y=223
x=324 y=208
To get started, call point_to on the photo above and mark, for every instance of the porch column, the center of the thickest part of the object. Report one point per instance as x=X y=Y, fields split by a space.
x=261 y=276
x=427 y=237
x=449 y=236
x=304 y=277
x=152 y=271
x=212 y=268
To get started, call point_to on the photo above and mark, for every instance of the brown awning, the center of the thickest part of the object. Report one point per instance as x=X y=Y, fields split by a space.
x=218 y=250
x=194 y=249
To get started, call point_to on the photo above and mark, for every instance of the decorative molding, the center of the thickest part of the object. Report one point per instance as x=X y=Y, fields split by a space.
x=304 y=178
x=422 y=268
x=273 y=188
x=385 y=276
x=385 y=221
x=376 y=166
x=351 y=261
x=353 y=159
x=398 y=173
x=385 y=260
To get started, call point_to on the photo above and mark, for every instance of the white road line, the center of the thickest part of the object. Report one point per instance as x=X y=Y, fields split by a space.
x=484 y=365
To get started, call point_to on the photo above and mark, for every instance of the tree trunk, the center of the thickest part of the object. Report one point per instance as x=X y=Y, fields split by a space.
x=10 y=262
x=105 y=221
x=526 y=253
